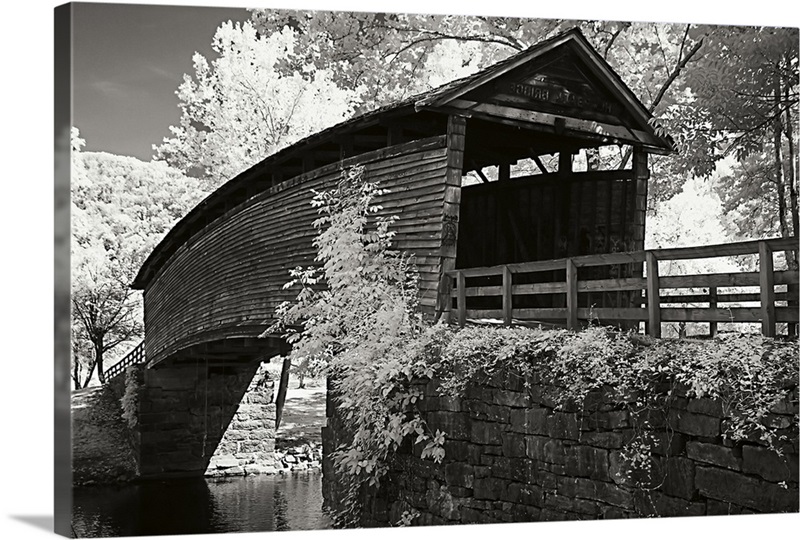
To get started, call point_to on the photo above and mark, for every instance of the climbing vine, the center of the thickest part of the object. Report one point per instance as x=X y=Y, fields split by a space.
x=750 y=375
x=356 y=314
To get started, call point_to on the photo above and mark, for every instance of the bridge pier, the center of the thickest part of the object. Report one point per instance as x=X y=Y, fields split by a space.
x=195 y=419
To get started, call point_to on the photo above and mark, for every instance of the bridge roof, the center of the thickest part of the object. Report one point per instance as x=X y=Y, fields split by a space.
x=560 y=87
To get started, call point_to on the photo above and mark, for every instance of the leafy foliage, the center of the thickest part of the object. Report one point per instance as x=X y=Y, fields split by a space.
x=121 y=207
x=239 y=109
x=749 y=374
x=360 y=326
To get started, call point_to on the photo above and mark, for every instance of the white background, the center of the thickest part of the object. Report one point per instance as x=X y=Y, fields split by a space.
x=26 y=194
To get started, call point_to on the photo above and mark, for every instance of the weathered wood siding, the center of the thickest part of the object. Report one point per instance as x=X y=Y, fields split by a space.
x=227 y=280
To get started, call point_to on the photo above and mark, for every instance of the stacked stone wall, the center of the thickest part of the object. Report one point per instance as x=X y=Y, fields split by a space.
x=194 y=421
x=513 y=455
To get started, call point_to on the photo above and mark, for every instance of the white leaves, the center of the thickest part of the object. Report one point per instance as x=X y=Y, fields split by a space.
x=239 y=109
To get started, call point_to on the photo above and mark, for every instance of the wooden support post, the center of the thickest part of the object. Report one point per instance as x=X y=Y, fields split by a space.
x=507 y=297
x=539 y=164
x=653 y=296
x=503 y=172
x=564 y=162
x=712 y=304
x=572 y=295
x=280 y=399
x=767 y=284
x=462 y=299
x=456 y=138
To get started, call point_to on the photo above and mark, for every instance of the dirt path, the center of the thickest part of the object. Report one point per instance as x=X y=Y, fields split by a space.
x=303 y=412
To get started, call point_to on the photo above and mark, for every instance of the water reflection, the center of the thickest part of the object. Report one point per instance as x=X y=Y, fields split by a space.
x=197 y=505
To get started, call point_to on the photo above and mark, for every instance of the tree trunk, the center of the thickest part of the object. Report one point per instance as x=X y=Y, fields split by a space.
x=76 y=372
x=777 y=128
x=792 y=175
x=89 y=376
x=98 y=360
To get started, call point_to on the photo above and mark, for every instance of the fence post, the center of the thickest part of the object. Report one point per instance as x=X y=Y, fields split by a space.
x=767 y=284
x=462 y=299
x=712 y=304
x=507 y=297
x=572 y=295
x=653 y=296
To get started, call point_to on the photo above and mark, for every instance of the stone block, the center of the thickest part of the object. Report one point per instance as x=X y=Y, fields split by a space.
x=655 y=504
x=474 y=453
x=710 y=407
x=493 y=449
x=532 y=421
x=768 y=464
x=667 y=443
x=492 y=489
x=441 y=503
x=482 y=471
x=562 y=425
x=689 y=423
x=720 y=508
x=234 y=471
x=525 y=513
x=513 y=445
x=236 y=435
x=484 y=432
x=606 y=439
x=458 y=491
x=508 y=398
x=459 y=474
x=525 y=494
x=587 y=461
x=713 y=454
x=252 y=468
x=224 y=462
x=511 y=468
x=675 y=475
x=480 y=410
x=456 y=450
x=608 y=420
x=545 y=449
x=746 y=491
x=455 y=425
x=596 y=490
x=478 y=392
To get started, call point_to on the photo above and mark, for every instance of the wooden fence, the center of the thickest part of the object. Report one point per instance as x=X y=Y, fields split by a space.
x=135 y=356
x=641 y=290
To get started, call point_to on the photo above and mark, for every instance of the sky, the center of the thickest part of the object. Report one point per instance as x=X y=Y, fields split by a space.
x=128 y=61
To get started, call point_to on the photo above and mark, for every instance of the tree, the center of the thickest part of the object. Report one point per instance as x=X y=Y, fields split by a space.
x=384 y=57
x=746 y=90
x=239 y=109
x=121 y=207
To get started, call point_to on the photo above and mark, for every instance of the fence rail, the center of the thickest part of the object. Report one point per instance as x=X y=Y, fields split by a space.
x=662 y=308
x=135 y=356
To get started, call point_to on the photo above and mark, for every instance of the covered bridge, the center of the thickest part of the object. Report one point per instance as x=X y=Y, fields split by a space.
x=211 y=286
x=529 y=237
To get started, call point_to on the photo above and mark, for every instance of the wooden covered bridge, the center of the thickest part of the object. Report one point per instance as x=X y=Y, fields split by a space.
x=533 y=238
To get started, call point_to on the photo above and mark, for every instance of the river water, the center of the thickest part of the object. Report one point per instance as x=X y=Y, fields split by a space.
x=200 y=505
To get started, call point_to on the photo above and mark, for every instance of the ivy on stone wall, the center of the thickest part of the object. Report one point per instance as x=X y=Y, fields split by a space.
x=365 y=328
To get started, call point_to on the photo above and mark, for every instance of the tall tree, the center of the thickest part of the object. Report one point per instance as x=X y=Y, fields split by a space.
x=120 y=208
x=239 y=109
x=746 y=90
x=384 y=57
